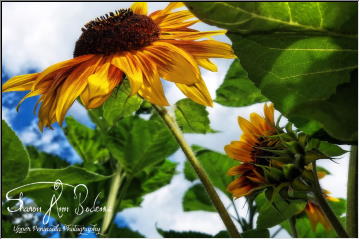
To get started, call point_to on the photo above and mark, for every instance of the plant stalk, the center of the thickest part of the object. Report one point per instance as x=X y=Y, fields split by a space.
x=111 y=202
x=174 y=128
x=292 y=222
x=352 y=195
x=319 y=196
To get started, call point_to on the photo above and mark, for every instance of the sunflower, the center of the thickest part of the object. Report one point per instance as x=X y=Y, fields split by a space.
x=127 y=43
x=248 y=152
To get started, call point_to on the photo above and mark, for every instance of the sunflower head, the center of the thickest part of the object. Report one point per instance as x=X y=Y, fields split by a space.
x=131 y=43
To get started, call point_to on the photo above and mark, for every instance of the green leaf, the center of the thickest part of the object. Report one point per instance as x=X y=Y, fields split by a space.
x=140 y=144
x=238 y=90
x=87 y=142
x=70 y=175
x=45 y=160
x=331 y=150
x=15 y=158
x=196 y=198
x=271 y=214
x=300 y=55
x=148 y=181
x=185 y=234
x=116 y=232
x=256 y=233
x=121 y=104
x=216 y=165
x=192 y=117
x=332 y=18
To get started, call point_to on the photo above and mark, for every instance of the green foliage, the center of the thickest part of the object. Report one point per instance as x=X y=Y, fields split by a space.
x=302 y=56
x=216 y=165
x=238 y=90
x=331 y=150
x=148 y=181
x=192 y=117
x=277 y=211
x=120 y=104
x=15 y=159
x=87 y=142
x=196 y=198
x=69 y=175
x=44 y=160
x=140 y=144
x=256 y=233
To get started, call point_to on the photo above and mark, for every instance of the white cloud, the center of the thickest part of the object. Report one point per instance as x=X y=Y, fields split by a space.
x=8 y=114
x=80 y=114
x=50 y=141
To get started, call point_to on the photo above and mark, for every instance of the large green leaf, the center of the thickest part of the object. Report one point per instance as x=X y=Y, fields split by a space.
x=139 y=144
x=279 y=210
x=45 y=160
x=15 y=158
x=148 y=181
x=87 y=142
x=216 y=165
x=192 y=117
x=300 y=55
x=238 y=90
x=121 y=104
x=70 y=175
x=196 y=198
x=332 y=18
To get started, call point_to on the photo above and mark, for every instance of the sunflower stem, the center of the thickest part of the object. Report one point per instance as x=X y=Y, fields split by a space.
x=111 y=201
x=292 y=222
x=352 y=194
x=175 y=130
x=319 y=196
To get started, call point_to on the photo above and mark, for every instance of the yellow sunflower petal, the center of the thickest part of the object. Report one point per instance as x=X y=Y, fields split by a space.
x=269 y=113
x=73 y=86
x=205 y=48
x=152 y=89
x=140 y=8
x=20 y=83
x=126 y=63
x=197 y=92
x=100 y=85
x=207 y=64
x=190 y=35
x=160 y=14
x=248 y=127
x=61 y=65
x=172 y=62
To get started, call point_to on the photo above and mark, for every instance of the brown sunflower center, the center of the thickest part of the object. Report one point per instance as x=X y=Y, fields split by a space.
x=116 y=32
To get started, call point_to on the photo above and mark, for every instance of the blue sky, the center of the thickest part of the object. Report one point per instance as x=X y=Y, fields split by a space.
x=45 y=34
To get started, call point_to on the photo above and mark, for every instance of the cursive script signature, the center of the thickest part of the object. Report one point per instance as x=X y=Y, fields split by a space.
x=80 y=195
